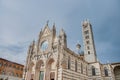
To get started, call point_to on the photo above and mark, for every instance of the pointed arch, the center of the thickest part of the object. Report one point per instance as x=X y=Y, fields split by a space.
x=50 y=69
x=39 y=74
x=39 y=64
x=105 y=71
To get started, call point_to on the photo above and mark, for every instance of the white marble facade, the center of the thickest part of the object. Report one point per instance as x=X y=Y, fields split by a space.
x=49 y=58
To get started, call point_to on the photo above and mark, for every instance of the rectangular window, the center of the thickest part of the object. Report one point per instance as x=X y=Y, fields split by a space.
x=21 y=69
x=41 y=75
x=18 y=68
x=5 y=64
x=75 y=66
x=68 y=62
x=3 y=72
x=93 y=71
x=14 y=66
x=81 y=68
x=10 y=65
x=1 y=64
x=86 y=71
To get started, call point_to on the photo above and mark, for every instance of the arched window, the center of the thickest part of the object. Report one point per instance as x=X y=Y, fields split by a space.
x=86 y=70
x=106 y=71
x=81 y=68
x=93 y=71
x=75 y=65
x=68 y=62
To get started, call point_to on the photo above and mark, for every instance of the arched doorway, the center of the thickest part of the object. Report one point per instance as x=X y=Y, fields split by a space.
x=30 y=74
x=50 y=70
x=117 y=72
x=39 y=74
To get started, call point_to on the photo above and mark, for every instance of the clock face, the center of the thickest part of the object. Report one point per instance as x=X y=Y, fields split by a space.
x=44 y=45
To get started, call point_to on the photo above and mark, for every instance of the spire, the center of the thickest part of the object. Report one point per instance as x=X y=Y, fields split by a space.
x=54 y=30
x=47 y=22
x=33 y=42
x=62 y=32
x=62 y=37
x=40 y=34
x=46 y=26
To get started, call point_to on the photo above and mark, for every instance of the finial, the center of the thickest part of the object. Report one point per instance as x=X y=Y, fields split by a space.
x=108 y=62
x=54 y=28
x=78 y=46
x=62 y=31
x=47 y=22
x=87 y=20
x=53 y=25
x=33 y=42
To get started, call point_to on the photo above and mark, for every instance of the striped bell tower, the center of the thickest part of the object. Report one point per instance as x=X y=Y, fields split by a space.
x=88 y=41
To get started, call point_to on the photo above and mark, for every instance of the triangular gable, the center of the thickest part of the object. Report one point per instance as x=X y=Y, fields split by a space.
x=46 y=31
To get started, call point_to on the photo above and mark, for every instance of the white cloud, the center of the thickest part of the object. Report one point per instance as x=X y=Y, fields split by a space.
x=14 y=52
x=21 y=21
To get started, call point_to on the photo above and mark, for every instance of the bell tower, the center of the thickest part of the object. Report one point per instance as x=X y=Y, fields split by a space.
x=88 y=41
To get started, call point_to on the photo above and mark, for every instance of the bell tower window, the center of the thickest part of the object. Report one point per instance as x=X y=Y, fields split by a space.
x=88 y=52
x=93 y=71
x=106 y=71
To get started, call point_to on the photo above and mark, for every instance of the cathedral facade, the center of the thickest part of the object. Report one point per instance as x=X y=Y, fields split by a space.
x=49 y=58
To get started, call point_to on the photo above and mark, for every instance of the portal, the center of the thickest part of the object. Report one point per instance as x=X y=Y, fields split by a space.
x=41 y=75
x=52 y=75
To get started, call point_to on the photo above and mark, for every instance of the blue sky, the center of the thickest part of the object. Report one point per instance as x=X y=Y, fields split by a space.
x=22 y=20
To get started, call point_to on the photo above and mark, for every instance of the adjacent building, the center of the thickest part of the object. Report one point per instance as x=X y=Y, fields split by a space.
x=49 y=58
x=10 y=70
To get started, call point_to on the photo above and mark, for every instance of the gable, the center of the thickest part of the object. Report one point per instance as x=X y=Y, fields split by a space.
x=46 y=31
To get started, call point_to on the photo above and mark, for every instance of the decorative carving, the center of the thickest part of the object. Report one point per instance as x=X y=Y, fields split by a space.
x=43 y=55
